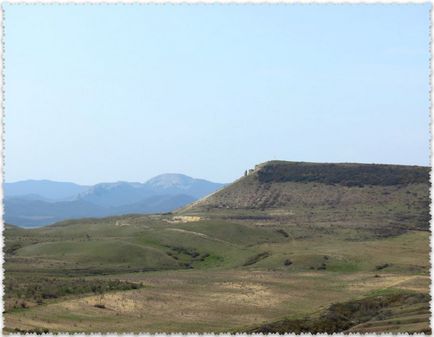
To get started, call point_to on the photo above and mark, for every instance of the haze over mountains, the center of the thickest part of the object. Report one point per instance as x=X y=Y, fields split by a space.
x=34 y=203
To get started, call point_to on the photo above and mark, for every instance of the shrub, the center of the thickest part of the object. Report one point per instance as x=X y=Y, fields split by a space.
x=287 y=262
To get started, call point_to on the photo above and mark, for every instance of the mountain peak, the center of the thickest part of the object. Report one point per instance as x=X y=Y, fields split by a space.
x=169 y=180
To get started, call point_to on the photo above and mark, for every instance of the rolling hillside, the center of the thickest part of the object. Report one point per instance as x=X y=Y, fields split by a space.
x=290 y=247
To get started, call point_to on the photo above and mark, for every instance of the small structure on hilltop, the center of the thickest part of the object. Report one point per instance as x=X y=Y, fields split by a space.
x=248 y=172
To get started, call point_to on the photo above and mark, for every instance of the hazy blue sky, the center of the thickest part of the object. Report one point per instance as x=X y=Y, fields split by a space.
x=120 y=92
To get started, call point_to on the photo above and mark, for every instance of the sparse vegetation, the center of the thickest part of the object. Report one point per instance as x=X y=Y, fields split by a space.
x=283 y=232
x=382 y=266
x=256 y=258
x=343 y=174
x=276 y=249
x=350 y=316
x=22 y=289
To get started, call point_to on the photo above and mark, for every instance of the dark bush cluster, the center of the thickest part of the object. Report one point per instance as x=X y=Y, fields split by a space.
x=342 y=316
x=11 y=247
x=382 y=266
x=256 y=258
x=287 y=262
x=282 y=232
x=183 y=253
x=187 y=251
x=343 y=174
x=38 y=289
x=32 y=331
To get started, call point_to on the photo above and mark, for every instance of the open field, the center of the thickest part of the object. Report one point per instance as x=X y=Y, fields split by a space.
x=194 y=276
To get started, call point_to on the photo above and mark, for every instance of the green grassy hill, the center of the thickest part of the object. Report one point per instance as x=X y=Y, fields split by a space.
x=263 y=253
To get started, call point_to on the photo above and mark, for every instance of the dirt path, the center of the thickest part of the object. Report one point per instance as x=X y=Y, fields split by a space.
x=199 y=234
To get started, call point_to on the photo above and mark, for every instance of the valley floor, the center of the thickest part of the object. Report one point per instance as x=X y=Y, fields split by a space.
x=192 y=276
x=208 y=301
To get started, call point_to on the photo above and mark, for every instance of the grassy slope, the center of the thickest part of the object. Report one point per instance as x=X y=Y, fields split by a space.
x=260 y=253
x=219 y=293
x=275 y=189
x=392 y=311
x=140 y=243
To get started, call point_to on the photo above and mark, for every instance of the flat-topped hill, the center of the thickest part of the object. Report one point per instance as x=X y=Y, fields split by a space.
x=312 y=192
x=341 y=174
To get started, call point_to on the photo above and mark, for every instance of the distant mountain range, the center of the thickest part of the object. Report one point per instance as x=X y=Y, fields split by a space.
x=33 y=203
x=43 y=190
